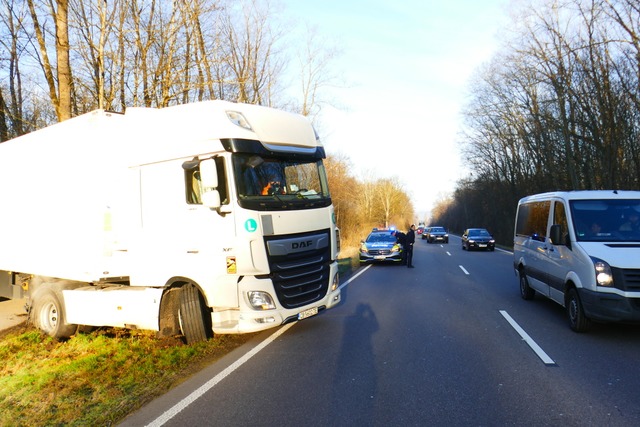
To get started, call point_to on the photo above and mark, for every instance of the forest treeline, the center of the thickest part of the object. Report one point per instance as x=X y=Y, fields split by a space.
x=63 y=58
x=558 y=108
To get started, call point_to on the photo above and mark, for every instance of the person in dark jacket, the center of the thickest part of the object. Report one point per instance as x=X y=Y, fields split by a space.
x=402 y=239
x=411 y=238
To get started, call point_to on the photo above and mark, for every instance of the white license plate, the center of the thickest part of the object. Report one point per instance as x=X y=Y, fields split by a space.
x=379 y=257
x=308 y=313
x=482 y=246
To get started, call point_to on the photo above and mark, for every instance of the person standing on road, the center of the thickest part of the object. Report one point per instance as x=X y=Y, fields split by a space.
x=411 y=238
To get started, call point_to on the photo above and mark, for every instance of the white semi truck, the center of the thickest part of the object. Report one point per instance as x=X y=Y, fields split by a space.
x=203 y=218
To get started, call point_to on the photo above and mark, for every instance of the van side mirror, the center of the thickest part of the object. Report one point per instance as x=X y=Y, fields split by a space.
x=557 y=238
x=555 y=234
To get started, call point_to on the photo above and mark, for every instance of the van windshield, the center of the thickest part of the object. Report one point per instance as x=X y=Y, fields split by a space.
x=606 y=220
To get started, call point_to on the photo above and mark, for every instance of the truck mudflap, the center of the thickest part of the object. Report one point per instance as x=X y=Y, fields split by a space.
x=117 y=306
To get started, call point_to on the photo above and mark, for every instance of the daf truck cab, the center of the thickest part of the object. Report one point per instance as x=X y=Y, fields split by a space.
x=212 y=217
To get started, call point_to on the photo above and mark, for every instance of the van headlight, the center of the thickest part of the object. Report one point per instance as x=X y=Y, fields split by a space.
x=604 y=277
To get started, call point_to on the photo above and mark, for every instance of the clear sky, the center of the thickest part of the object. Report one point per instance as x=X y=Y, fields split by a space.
x=405 y=69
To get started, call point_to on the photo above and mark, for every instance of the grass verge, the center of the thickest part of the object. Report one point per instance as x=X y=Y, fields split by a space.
x=96 y=378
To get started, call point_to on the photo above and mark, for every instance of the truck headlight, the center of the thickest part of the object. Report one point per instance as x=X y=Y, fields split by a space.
x=260 y=300
x=335 y=283
x=604 y=276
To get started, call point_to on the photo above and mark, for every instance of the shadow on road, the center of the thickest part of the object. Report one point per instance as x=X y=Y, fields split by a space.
x=355 y=377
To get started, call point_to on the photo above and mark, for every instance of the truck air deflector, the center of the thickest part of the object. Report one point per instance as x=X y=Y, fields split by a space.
x=256 y=147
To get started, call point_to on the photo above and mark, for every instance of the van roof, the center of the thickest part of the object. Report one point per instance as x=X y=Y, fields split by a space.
x=583 y=195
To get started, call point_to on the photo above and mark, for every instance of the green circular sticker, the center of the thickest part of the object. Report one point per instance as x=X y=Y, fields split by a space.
x=251 y=225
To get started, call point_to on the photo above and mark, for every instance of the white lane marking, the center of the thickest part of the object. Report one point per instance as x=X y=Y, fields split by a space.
x=195 y=395
x=178 y=407
x=353 y=278
x=465 y=271
x=448 y=253
x=535 y=347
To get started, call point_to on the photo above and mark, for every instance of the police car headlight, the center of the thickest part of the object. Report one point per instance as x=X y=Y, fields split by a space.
x=604 y=276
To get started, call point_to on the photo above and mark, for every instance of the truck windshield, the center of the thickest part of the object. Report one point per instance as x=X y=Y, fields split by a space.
x=606 y=220
x=271 y=183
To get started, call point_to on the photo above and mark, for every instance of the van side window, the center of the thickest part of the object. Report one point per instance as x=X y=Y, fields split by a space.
x=532 y=220
x=560 y=218
x=193 y=185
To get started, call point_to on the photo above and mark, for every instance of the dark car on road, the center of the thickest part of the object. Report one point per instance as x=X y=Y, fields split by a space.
x=380 y=246
x=437 y=234
x=477 y=238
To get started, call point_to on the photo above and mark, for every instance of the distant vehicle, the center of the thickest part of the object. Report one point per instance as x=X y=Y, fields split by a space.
x=420 y=230
x=425 y=232
x=436 y=234
x=380 y=246
x=477 y=238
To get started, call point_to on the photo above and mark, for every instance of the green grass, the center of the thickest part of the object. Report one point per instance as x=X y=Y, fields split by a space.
x=96 y=378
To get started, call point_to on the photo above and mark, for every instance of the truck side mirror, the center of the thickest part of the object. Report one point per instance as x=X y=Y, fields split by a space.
x=209 y=173
x=209 y=180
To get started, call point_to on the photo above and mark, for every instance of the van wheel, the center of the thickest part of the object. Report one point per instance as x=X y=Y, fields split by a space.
x=194 y=318
x=49 y=314
x=578 y=322
x=525 y=290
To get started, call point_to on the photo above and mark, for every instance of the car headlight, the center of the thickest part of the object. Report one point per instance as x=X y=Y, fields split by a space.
x=492 y=241
x=395 y=247
x=363 y=248
x=604 y=276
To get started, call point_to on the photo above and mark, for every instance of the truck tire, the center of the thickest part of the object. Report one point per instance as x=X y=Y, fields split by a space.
x=195 y=319
x=49 y=313
x=578 y=322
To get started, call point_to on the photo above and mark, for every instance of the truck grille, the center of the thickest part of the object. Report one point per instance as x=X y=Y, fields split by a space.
x=626 y=279
x=302 y=277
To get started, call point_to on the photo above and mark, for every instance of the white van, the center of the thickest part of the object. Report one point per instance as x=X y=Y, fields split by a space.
x=582 y=250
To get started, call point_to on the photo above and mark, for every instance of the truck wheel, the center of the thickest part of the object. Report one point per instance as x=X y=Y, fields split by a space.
x=49 y=315
x=525 y=290
x=195 y=319
x=578 y=322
